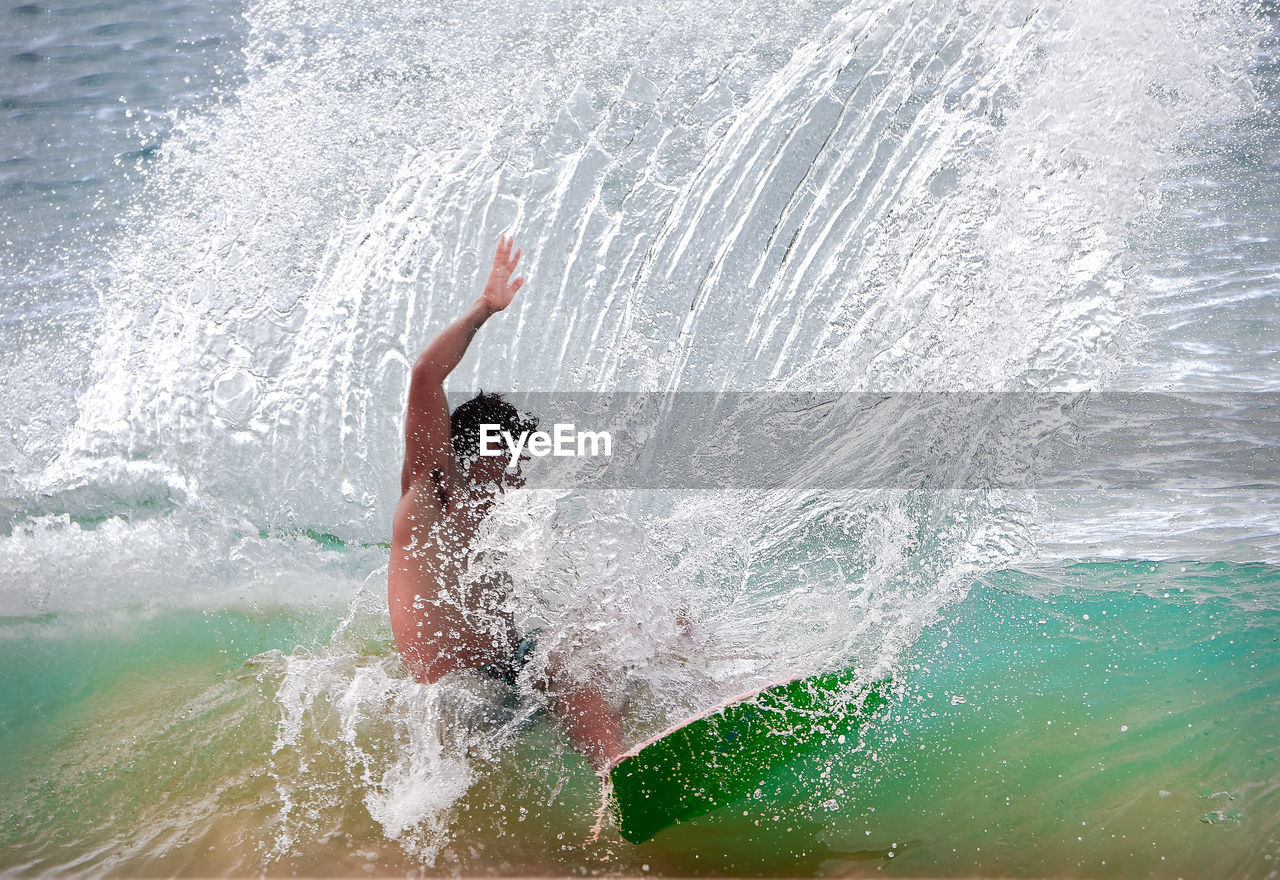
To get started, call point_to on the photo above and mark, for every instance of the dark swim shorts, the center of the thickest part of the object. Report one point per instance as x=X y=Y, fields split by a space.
x=508 y=668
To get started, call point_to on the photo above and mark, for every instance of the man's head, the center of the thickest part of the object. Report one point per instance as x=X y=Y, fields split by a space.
x=465 y=422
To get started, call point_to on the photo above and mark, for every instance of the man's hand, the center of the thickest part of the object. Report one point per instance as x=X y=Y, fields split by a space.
x=500 y=289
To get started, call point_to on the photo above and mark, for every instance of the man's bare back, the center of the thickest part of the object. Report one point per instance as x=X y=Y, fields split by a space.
x=439 y=615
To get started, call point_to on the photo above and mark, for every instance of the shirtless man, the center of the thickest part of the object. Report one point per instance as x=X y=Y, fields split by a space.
x=443 y=620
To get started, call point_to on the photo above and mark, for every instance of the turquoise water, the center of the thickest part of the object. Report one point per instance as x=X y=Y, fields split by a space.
x=1114 y=719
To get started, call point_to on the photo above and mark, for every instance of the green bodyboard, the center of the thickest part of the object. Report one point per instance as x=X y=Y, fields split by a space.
x=723 y=756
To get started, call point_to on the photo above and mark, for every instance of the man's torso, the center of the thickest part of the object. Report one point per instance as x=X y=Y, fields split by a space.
x=442 y=619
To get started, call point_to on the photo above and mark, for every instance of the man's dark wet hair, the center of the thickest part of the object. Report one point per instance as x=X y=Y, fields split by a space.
x=485 y=409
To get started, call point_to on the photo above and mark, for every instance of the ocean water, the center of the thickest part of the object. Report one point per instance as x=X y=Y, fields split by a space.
x=1004 y=232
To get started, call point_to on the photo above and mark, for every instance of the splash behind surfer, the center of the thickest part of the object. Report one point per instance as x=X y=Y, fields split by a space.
x=443 y=619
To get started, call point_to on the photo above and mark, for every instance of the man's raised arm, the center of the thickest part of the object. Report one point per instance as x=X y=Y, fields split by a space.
x=426 y=427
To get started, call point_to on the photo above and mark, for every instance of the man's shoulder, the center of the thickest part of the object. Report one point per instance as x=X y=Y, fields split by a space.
x=437 y=486
x=423 y=503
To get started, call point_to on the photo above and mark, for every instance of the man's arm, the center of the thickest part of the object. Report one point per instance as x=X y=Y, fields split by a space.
x=426 y=427
x=590 y=722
